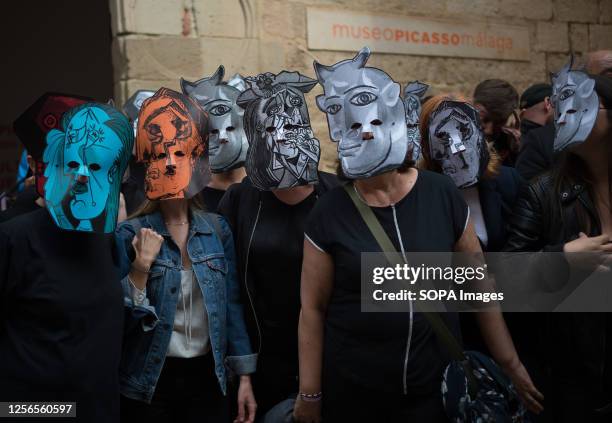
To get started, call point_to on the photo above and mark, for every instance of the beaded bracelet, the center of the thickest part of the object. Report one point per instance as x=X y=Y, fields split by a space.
x=311 y=397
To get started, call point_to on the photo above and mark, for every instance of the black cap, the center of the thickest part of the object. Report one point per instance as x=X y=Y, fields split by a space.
x=42 y=116
x=534 y=95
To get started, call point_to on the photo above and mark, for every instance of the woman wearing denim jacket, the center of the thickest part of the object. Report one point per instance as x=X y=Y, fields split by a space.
x=187 y=324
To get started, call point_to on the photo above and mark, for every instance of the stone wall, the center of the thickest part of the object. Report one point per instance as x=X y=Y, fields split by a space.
x=155 y=42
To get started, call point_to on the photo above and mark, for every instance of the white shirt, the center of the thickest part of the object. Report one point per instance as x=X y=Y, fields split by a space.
x=471 y=197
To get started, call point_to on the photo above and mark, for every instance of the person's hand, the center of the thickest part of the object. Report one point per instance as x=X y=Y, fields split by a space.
x=246 y=401
x=589 y=253
x=147 y=244
x=586 y=244
x=307 y=411
x=521 y=380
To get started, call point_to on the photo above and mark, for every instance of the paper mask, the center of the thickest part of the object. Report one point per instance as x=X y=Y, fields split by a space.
x=85 y=162
x=172 y=142
x=413 y=93
x=283 y=151
x=365 y=115
x=576 y=106
x=133 y=104
x=457 y=143
x=228 y=143
x=34 y=124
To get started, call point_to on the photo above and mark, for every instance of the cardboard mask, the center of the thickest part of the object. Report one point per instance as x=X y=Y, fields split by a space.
x=365 y=115
x=34 y=124
x=576 y=106
x=85 y=162
x=283 y=151
x=228 y=142
x=413 y=93
x=457 y=143
x=172 y=142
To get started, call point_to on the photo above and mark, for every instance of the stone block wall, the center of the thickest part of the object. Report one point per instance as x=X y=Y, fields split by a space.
x=155 y=42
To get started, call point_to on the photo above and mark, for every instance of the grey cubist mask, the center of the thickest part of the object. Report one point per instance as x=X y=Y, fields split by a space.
x=457 y=143
x=283 y=151
x=365 y=115
x=576 y=106
x=413 y=93
x=227 y=141
x=132 y=106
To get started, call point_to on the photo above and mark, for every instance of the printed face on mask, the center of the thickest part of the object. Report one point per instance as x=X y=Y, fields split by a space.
x=413 y=93
x=169 y=142
x=365 y=115
x=84 y=167
x=283 y=151
x=228 y=142
x=457 y=143
x=576 y=106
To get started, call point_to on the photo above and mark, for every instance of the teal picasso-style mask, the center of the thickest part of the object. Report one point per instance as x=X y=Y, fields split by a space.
x=85 y=161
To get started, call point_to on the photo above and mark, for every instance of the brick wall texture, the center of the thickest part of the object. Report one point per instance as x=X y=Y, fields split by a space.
x=155 y=42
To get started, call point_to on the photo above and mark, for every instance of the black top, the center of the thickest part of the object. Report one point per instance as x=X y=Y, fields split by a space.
x=527 y=125
x=276 y=263
x=211 y=198
x=24 y=203
x=61 y=316
x=537 y=153
x=370 y=348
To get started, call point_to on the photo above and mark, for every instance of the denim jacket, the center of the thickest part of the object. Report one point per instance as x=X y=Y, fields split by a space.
x=149 y=326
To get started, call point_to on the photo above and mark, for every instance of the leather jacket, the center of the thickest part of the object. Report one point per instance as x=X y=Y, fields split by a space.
x=576 y=342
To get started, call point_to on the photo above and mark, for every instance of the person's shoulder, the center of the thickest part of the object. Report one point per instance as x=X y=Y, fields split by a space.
x=22 y=223
x=435 y=181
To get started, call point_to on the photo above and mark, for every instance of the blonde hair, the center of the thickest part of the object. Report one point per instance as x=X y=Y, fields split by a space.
x=494 y=165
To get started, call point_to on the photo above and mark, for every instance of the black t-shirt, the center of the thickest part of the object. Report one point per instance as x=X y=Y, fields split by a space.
x=211 y=198
x=276 y=263
x=61 y=316
x=370 y=348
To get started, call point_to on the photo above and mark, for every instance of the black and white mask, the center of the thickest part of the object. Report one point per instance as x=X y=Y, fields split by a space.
x=456 y=142
x=283 y=151
x=413 y=93
x=365 y=115
x=576 y=106
x=227 y=140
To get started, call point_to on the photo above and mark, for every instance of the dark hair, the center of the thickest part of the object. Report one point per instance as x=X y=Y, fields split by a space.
x=498 y=97
x=570 y=168
x=259 y=155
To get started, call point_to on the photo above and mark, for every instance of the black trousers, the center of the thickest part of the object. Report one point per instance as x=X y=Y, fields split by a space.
x=187 y=391
x=345 y=401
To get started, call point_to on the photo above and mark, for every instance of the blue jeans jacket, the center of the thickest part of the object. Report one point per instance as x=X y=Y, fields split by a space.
x=149 y=327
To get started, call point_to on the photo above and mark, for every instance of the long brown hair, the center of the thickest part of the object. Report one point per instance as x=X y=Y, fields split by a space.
x=494 y=165
x=571 y=169
x=151 y=206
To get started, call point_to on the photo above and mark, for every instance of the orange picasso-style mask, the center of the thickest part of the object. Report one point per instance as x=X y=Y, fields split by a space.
x=171 y=140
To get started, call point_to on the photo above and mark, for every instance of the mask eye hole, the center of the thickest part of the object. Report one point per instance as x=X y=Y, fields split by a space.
x=566 y=94
x=179 y=154
x=95 y=166
x=73 y=165
x=333 y=109
x=376 y=122
x=215 y=132
x=289 y=127
x=161 y=156
x=571 y=111
x=363 y=98
x=270 y=129
x=230 y=128
x=355 y=126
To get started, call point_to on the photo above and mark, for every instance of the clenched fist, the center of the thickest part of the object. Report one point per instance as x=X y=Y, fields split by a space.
x=147 y=244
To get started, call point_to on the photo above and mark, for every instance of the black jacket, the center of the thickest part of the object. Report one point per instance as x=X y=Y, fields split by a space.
x=241 y=206
x=536 y=154
x=576 y=341
x=497 y=198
